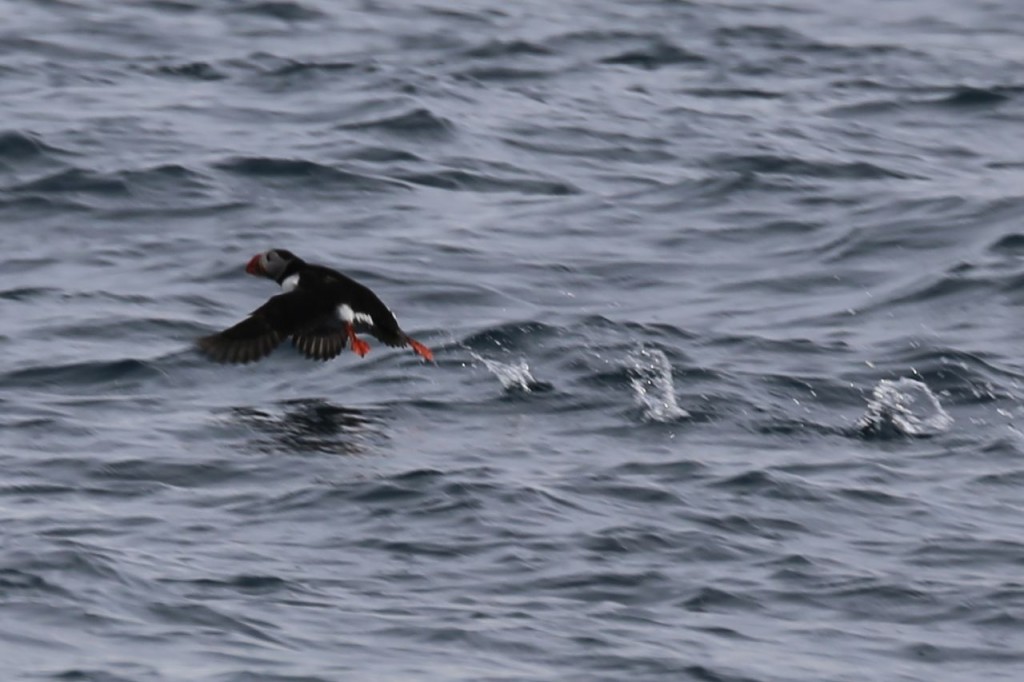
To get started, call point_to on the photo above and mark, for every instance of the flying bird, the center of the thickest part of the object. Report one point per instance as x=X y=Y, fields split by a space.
x=321 y=310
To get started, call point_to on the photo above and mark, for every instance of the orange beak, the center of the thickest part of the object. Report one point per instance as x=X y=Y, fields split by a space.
x=254 y=267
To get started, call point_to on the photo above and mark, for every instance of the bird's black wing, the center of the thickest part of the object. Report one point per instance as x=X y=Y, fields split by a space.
x=323 y=340
x=258 y=335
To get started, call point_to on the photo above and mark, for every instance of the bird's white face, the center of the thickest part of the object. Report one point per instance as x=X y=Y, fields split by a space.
x=273 y=263
x=270 y=264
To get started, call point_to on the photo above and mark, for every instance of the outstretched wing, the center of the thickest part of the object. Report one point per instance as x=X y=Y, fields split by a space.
x=258 y=335
x=322 y=341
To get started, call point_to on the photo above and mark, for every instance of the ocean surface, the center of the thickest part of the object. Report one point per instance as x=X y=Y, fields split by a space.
x=725 y=299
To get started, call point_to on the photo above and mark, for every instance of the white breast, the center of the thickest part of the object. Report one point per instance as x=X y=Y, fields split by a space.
x=290 y=283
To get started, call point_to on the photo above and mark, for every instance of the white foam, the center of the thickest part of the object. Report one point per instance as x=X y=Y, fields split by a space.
x=906 y=405
x=653 y=388
x=513 y=376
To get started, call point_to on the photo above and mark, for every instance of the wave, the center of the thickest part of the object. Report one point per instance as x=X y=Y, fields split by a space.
x=307 y=173
x=1009 y=245
x=240 y=584
x=607 y=146
x=502 y=49
x=81 y=374
x=22 y=146
x=787 y=40
x=583 y=38
x=29 y=293
x=283 y=10
x=660 y=53
x=76 y=180
x=418 y=122
x=194 y=615
x=781 y=165
x=501 y=73
x=164 y=178
x=979 y=97
x=735 y=93
x=906 y=100
x=202 y=71
x=466 y=181
x=381 y=154
x=777 y=37
x=296 y=67
x=137 y=328
x=775 y=485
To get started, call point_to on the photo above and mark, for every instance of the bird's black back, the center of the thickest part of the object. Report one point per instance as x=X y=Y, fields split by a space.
x=342 y=289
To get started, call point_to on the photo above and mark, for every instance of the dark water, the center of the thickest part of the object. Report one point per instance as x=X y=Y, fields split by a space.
x=725 y=299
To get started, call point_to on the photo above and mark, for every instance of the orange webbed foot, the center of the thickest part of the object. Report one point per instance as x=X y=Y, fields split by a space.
x=421 y=350
x=359 y=347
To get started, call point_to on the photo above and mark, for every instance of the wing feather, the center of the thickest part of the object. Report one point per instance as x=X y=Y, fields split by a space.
x=322 y=341
x=258 y=335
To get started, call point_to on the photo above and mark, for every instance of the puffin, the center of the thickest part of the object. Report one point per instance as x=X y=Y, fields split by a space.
x=320 y=309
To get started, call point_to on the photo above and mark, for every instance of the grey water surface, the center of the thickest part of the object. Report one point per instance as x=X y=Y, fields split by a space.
x=725 y=299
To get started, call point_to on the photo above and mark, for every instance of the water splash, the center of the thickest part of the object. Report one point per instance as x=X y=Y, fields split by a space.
x=514 y=376
x=903 y=407
x=650 y=375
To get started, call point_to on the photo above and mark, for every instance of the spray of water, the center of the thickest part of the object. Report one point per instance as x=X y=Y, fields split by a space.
x=514 y=376
x=904 y=406
x=650 y=375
